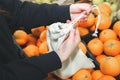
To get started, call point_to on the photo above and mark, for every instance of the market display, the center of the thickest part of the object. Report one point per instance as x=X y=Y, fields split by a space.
x=104 y=48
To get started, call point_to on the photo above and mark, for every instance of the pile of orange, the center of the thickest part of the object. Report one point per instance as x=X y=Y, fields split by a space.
x=107 y=51
x=34 y=43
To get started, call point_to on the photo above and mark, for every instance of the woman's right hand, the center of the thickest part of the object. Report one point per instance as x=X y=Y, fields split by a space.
x=69 y=45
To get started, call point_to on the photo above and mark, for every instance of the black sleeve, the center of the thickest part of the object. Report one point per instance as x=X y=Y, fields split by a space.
x=28 y=15
x=35 y=68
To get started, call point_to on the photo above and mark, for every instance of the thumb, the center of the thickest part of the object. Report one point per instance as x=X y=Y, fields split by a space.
x=77 y=35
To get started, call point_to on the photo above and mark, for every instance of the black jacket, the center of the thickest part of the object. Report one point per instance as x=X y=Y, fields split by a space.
x=27 y=15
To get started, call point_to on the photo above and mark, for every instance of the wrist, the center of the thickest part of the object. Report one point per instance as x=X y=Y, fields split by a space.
x=61 y=57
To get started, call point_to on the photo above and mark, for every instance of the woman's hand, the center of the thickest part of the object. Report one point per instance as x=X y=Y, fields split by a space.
x=77 y=9
x=69 y=45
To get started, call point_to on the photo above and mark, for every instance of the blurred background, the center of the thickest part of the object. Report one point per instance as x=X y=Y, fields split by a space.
x=61 y=2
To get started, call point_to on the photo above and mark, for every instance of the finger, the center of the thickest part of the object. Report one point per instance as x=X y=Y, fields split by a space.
x=83 y=20
x=68 y=21
x=77 y=35
x=77 y=15
x=84 y=6
x=89 y=10
x=79 y=7
x=72 y=34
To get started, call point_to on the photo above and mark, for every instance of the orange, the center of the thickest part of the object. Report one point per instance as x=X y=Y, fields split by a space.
x=92 y=28
x=43 y=47
x=107 y=77
x=110 y=66
x=38 y=43
x=82 y=47
x=82 y=74
x=105 y=22
x=116 y=27
x=107 y=34
x=104 y=8
x=99 y=58
x=90 y=69
x=31 y=50
x=118 y=58
x=88 y=23
x=96 y=74
x=95 y=46
x=90 y=20
x=21 y=41
x=31 y=39
x=112 y=47
x=36 y=31
x=50 y=77
x=42 y=36
x=119 y=34
x=81 y=24
x=21 y=37
x=83 y=31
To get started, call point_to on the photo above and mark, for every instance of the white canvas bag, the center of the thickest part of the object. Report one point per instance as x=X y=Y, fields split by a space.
x=56 y=34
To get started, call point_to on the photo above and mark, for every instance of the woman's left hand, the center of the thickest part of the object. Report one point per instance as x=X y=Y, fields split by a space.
x=77 y=9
